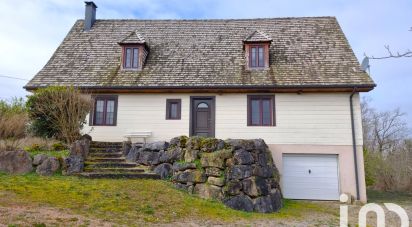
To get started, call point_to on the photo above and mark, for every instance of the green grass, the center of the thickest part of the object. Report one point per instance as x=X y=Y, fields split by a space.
x=375 y=196
x=57 y=154
x=128 y=201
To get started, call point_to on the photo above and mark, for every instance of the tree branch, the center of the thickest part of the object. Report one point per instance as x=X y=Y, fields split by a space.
x=406 y=54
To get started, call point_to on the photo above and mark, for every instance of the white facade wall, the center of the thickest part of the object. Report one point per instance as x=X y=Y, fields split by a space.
x=312 y=118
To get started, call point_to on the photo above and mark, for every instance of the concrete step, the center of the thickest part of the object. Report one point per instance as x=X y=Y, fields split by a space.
x=120 y=175
x=104 y=150
x=109 y=165
x=115 y=170
x=98 y=144
x=105 y=159
x=106 y=155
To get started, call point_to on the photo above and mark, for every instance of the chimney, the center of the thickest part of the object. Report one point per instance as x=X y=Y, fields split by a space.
x=90 y=15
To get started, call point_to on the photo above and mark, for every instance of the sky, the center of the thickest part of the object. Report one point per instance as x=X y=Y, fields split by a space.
x=31 y=30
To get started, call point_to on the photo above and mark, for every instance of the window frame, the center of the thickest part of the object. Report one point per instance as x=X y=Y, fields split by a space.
x=257 y=46
x=105 y=98
x=272 y=108
x=124 y=57
x=169 y=102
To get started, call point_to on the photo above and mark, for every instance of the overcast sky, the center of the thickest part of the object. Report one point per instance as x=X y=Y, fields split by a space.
x=31 y=30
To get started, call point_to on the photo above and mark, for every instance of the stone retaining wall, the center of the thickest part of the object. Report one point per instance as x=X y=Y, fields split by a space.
x=240 y=173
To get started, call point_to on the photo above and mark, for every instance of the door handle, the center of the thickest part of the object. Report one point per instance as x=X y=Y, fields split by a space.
x=310 y=171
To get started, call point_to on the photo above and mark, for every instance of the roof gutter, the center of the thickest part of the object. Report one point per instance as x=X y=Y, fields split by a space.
x=363 y=87
x=355 y=156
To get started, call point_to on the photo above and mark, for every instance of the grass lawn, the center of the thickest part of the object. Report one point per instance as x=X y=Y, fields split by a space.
x=128 y=201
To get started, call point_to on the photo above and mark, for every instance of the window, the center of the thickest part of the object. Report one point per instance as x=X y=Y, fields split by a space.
x=202 y=105
x=257 y=56
x=261 y=110
x=131 y=57
x=105 y=111
x=173 y=109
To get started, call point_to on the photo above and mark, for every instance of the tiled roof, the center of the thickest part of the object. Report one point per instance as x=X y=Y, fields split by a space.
x=205 y=53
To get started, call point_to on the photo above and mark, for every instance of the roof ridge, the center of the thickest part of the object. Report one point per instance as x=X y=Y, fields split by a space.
x=222 y=19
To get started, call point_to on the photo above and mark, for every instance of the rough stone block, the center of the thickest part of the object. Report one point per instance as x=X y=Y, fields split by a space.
x=48 y=167
x=182 y=166
x=15 y=162
x=191 y=155
x=240 y=202
x=255 y=186
x=215 y=159
x=239 y=172
x=213 y=171
x=243 y=157
x=218 y=181
x=206 y=191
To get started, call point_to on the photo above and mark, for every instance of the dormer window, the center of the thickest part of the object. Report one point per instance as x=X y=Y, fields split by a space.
x=257 y=56
x=134 y=51
x=257 y=50
x=130 y=57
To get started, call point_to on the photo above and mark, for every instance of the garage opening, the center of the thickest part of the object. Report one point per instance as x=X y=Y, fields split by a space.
x=310 y=176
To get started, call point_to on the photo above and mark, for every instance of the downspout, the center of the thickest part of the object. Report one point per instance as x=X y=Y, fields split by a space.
x=355 y=156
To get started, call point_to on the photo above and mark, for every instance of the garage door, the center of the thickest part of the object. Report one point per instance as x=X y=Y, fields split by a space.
x=310 y=177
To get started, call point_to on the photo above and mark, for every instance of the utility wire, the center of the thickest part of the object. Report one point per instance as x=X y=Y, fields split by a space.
x=13 y=77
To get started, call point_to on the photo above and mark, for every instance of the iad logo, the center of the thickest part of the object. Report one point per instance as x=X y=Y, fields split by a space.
x=372 y=207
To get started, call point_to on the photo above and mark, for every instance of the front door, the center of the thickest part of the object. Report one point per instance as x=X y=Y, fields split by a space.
x=202 y=116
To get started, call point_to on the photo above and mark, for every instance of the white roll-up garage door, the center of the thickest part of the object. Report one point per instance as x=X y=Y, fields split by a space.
x=310 y=176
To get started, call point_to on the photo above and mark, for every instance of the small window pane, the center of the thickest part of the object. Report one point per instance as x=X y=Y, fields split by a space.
x=128 y=57
x=202 y=105
x=99 y=112
x=173 y=110
x=253 y=57
x=135 y=57
x=261 y=57
x=255 y=112
x=266 y=112
x=110 y=112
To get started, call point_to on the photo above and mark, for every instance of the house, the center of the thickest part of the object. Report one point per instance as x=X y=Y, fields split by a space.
x=294 y=82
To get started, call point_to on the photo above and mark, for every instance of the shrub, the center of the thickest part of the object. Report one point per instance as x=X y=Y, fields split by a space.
x=13 y=122
x=35 y=147
x=391 y=172
x=58 y=146
x=369 y=168
x=58 y=112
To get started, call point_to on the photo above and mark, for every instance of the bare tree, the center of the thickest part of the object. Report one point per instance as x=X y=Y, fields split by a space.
x=385 y=131
x=389 y=130
x=63 y=107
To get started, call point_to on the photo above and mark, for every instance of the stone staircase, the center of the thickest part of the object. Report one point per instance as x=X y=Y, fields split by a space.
x=106 y=160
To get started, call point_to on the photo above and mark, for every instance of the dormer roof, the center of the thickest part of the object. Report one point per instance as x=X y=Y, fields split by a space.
x=133 y=38
x=258 y=36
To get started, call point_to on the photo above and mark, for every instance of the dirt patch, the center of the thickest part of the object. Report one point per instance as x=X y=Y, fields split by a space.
x=31 y=216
